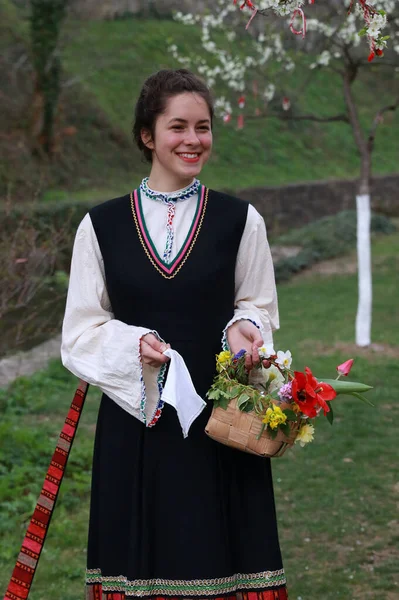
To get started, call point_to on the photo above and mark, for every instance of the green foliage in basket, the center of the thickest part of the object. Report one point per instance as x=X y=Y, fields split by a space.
x=278 y=395
x=233 y=382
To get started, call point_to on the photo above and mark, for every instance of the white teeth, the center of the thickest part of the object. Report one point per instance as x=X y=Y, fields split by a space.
x=189 y=155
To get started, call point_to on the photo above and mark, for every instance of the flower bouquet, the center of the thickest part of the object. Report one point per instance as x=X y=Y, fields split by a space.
x=265 y=411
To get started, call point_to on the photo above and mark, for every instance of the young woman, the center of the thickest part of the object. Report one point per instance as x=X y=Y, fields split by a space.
x=172 y=265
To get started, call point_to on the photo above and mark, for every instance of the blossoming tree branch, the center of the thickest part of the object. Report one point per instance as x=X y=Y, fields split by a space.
x=334 y=42
x=374 y=18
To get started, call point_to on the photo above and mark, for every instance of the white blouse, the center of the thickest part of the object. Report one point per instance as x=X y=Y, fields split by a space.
x=105 y=352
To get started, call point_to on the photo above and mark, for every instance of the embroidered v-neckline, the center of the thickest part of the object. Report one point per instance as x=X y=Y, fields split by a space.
x=168 y=270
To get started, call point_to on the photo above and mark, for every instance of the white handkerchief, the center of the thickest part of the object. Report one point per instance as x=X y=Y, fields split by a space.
x=180 y=393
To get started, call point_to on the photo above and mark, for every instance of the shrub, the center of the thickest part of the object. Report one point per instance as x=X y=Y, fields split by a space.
x=324 y=239
x=44 y=217
x=35 y=251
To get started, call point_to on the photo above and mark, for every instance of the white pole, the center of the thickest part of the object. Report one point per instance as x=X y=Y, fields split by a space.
x=363 y=318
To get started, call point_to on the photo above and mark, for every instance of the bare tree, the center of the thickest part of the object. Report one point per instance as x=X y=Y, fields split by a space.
x=46 y=21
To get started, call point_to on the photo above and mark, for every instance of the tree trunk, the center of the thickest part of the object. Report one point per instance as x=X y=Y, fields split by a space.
x=363 y=317
x=364 y=306
x=45 y=25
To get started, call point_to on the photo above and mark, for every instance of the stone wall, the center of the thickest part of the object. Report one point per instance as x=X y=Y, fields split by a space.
x=295 y=205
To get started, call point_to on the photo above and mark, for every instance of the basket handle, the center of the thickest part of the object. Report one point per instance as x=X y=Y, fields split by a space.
x=32 y=545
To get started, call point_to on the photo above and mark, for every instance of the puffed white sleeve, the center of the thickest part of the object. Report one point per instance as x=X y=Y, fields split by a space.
x=98 y=348
x=255 y=286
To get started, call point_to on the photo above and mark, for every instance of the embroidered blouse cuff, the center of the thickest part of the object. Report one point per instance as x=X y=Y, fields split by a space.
x=149 y=415
x=239 y=317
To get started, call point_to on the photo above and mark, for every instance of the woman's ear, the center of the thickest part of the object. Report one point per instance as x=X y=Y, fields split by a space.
x=146 y=138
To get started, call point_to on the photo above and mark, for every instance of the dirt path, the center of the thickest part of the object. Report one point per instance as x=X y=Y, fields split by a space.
x=27 y=363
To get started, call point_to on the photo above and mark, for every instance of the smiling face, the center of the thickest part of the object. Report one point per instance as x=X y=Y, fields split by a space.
x=182 y=142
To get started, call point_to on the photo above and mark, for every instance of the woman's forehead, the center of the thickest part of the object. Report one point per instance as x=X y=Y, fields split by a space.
x=187 y=106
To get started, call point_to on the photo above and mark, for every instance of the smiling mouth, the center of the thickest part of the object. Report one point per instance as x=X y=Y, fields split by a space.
x=189 y=156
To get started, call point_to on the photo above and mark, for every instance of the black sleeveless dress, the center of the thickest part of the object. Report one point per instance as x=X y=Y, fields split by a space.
x=173 y=517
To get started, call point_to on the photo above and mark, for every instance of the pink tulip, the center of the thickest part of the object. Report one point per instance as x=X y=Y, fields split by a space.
x=345 y=368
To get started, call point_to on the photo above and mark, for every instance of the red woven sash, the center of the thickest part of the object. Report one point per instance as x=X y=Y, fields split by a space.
x=32 y=545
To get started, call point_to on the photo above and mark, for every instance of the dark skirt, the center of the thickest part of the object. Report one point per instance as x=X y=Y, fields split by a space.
x=178 y=518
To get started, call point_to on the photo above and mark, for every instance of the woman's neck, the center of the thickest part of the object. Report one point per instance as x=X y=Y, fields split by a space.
x=168 y=184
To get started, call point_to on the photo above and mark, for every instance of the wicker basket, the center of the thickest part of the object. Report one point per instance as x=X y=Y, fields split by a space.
x=238 y=429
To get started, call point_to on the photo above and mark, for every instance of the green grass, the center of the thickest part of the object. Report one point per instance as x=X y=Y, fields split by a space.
x=336 y=499
x=114 y=57
x=33 y=415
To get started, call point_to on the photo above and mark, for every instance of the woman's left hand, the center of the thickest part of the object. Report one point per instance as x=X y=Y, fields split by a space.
x=245 y=335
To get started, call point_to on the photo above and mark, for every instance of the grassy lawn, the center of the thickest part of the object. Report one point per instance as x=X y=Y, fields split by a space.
x=337 y=500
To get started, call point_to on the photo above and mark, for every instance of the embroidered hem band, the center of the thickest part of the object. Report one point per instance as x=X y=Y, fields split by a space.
x=179 y=588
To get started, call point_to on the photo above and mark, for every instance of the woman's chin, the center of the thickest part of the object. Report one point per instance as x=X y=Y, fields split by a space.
x=192 y=170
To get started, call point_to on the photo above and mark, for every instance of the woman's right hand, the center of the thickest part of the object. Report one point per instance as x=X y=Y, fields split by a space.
x=152 y=351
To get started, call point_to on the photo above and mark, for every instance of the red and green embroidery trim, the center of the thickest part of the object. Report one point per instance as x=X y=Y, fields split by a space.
x=168 y=268
x=160 y=381
x=32 y=545
x=169 y=200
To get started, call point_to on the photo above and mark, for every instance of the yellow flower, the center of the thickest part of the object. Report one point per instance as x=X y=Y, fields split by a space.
x=274 y=417
x=305 y=435
x=223 y=358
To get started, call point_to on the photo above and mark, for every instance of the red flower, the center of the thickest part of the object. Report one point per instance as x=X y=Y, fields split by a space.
x=310 y=394
x=345 y=368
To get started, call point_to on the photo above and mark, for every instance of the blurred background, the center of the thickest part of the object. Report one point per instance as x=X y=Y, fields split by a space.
x=302 y=127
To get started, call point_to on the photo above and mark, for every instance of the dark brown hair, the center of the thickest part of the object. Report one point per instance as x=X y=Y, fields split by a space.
x=155 y=93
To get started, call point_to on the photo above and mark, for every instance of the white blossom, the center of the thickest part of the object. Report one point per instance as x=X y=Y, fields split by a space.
x=324 y=58
x=377 y=23
x=273 y=378
x=284 y=359
x=266 y=351
x=269 y=92
x=222 y=106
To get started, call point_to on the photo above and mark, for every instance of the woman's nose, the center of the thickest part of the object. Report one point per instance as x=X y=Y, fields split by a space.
x=191 y=137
